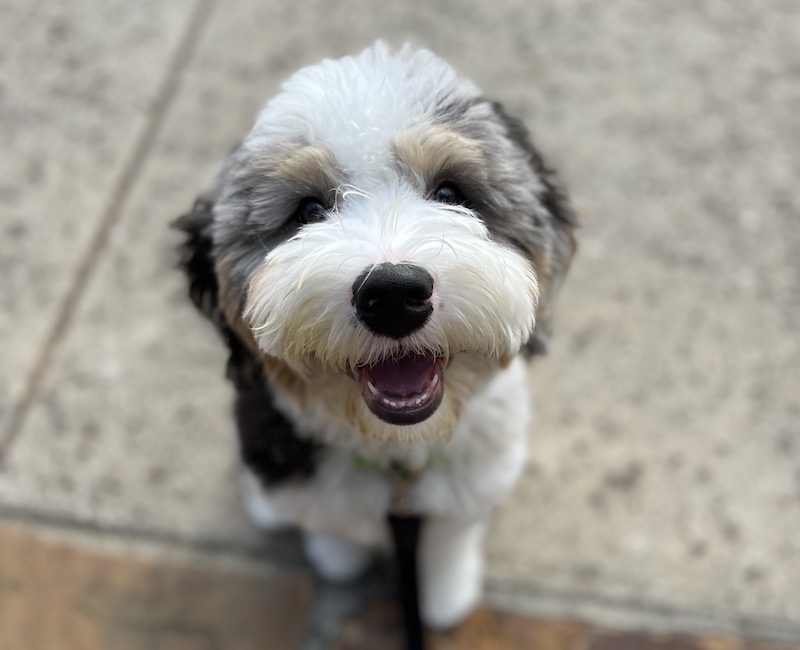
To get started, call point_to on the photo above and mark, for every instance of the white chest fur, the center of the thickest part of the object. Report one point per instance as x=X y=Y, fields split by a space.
x=464 y=478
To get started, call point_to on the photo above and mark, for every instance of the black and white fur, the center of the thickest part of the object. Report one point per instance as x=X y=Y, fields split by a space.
x=382 y=254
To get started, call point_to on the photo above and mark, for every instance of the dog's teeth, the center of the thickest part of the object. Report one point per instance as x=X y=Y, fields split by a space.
x=405 y=403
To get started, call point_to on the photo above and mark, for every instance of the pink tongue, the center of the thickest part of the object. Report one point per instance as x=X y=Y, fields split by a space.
x=402 y=377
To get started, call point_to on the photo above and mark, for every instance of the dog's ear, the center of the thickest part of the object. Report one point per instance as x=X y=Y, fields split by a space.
x=197 y=259
x=198 y=262
x=561 y=250
x=553 y=243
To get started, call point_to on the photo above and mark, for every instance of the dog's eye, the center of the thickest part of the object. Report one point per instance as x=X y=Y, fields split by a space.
x=310 y=210
x=448 y=193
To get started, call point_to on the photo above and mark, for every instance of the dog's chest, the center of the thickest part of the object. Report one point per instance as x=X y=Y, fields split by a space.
x=356 y=482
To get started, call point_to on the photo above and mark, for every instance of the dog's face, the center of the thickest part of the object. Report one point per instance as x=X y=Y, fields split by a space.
x=385 y=234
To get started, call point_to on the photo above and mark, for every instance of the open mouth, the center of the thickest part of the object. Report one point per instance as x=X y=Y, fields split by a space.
x=407 y=390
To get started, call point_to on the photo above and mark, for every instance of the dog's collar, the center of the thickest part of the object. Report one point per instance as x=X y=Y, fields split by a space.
x=401 y=477
x=435 y=459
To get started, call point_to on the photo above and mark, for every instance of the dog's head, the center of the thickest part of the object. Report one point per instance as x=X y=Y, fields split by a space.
x=386 y=229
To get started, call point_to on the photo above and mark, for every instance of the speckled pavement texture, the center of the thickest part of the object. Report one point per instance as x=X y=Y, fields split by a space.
x=663 y=486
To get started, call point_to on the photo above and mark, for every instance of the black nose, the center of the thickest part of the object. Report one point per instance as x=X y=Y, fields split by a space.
x=393 y=299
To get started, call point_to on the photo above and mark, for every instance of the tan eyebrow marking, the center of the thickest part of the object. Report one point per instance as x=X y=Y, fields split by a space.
x=312 y=166
x=436 y=153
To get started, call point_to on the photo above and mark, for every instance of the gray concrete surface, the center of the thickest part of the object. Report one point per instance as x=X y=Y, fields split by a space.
x=664 y=473
x=75 y=94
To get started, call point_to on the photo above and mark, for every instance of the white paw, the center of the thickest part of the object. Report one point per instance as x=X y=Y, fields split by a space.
x=334 y=558
x=258 y=507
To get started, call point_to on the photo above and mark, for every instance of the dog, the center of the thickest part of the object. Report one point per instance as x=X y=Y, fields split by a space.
x=382 y=254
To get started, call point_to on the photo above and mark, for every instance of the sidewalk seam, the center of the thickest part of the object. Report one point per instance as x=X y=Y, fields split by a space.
x=130 y=173
x=279 y=554
x=621 y=614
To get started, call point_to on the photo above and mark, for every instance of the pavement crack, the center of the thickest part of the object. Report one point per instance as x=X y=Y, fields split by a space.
x=130 y=173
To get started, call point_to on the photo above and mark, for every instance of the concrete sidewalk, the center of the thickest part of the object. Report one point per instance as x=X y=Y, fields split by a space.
x=663 y=488
x=72 y=589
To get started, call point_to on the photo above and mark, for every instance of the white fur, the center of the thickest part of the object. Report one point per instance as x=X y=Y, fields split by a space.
x=300 y=303
x=260 y=510
x=335 y=558
x=355 y=104
x=451 y=566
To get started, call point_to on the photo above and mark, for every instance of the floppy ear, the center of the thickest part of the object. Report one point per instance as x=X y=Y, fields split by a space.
x=554 y=238
x=198 y=262
x=562 y=248
x=267 y=442
x=197 y=259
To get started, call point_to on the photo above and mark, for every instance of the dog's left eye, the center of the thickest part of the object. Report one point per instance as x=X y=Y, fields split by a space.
x=448 y=193
x=310 y=210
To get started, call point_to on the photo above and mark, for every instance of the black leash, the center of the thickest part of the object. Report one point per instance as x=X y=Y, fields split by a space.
x=405 y=534
x=405 y=525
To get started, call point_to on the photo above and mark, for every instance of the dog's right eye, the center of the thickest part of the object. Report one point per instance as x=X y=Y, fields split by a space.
x=310 y=210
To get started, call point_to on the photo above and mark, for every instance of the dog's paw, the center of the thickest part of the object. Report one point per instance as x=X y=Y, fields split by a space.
x=336 y=559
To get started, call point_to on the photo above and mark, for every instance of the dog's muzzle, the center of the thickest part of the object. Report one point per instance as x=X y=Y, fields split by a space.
x=394 y=301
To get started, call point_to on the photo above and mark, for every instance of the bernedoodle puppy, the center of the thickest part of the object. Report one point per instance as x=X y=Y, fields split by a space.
x=382 y=254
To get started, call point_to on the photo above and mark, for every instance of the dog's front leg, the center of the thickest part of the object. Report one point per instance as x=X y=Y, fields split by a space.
x=451 y=569
x=335 y=558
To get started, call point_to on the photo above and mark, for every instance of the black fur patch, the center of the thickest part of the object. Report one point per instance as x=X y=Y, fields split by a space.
x=196 y=258
x=269 y=445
